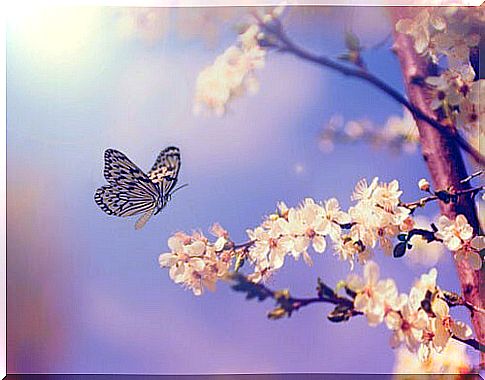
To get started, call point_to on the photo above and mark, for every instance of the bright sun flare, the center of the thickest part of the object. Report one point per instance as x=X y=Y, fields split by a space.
x=54 y=34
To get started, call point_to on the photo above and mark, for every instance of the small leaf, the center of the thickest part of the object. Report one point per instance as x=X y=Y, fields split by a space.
x=353 y=57
x=239 y=263
x=352 y=42
x=324 y=290
x=402 y=237
x=251 y=289
x=350 y=292
x=277 y=313
x=282 y=295
x=418 y=80
x=340 y=313
x=346 y=226
x=451 y=298
x=344 y=57
x=399 y=250
x=340 y=285
x=443 y=195
x=426 y=305
x=426 y=302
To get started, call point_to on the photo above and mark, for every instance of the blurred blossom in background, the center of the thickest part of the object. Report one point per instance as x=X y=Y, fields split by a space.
x=85 y=291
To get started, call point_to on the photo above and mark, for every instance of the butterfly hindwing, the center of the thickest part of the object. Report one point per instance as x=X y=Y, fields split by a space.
x=120 y=203
x=166 y=168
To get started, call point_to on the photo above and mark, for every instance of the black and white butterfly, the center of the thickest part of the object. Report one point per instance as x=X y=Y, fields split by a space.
x=131 y=191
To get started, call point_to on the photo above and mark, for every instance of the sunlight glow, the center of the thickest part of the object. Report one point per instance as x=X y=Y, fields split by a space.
x=52 y=34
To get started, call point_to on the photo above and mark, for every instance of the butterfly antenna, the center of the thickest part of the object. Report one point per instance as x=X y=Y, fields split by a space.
x=180 y=187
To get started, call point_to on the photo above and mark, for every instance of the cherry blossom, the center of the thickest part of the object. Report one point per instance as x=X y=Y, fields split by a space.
x=470 y=252
x=454 y=233
x=407 y=326
x=453 y=360
x=374 y=297
x=194 y=262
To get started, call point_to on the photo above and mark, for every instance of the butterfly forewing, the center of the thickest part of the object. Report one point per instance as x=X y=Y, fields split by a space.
x=120 y=171
x=166 y=168
x=130 y=191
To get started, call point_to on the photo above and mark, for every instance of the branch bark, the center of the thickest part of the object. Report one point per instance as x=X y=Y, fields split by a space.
x=445 y=163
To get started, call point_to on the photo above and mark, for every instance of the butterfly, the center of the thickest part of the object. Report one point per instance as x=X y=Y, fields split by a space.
x=131 y=191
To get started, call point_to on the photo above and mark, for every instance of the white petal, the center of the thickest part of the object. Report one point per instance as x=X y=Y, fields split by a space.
x=319 y=244
x=371 y=272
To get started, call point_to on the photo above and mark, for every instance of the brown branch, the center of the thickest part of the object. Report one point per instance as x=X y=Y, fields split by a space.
x=445 y=163
x=285 y=44
x=453 y=299
x=472 y=308
x=423 y=201
x=286 y=304
x=472 y=343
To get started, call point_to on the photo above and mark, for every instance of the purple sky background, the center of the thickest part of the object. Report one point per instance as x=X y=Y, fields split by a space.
x=85 y=293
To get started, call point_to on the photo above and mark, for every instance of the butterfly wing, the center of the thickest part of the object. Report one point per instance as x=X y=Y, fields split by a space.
x=142 y=220
x=166 y=169
x=130 y=191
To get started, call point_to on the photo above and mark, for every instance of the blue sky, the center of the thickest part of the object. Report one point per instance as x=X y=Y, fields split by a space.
x=85 y=290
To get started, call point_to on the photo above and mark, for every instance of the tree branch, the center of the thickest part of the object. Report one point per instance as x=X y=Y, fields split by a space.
x=286 y=304
x=444 y=161
x=285 y=44
x=443 y=195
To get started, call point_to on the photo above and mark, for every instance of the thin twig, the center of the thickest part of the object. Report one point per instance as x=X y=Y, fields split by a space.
x=286 y=45
x=244 y=245
x=472 y=343
x=471 y=307
x=288 y=304
x=421 y=202
x=471 y=176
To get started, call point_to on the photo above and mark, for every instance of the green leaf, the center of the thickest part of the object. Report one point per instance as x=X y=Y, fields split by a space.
x=239 y=263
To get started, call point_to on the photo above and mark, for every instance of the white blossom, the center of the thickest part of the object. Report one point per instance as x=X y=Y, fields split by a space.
x=194 y=263
x=374 y=297
x=454 y=233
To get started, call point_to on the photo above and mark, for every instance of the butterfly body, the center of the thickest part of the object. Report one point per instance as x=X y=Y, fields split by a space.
x=132 y=192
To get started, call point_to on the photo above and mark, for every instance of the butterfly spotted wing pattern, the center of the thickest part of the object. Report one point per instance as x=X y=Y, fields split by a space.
x=130 y=191
x=166 y=169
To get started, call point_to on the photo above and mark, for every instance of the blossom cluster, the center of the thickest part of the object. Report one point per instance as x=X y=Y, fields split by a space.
x=400 y=133
x=451 y=35
x=233 y=72
x=375 y=219
x=452 y=362
x=419 y=320
x=458 y=237
x=196 y=263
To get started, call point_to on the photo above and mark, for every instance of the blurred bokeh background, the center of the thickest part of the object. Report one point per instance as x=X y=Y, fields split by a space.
x=85 y=292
